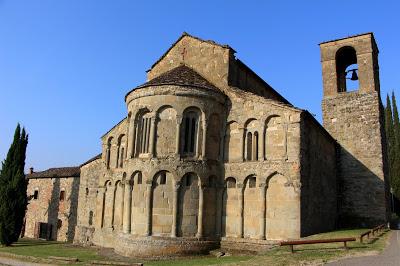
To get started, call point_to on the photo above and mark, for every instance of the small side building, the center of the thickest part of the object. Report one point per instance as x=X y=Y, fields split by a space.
x=52 y=208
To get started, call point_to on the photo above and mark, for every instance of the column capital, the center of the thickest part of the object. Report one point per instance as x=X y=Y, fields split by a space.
x=101 y=189
x=263 y=185
x=179 y=119
x=177 y=185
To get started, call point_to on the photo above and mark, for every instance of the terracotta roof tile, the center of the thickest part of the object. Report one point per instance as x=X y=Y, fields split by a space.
x=57 y=172
x=181 y=75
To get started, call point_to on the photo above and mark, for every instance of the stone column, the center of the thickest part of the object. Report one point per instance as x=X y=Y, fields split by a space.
x=175 y=199
x=127 y=208
x=152 y=134
x=201 y=213
x=262 y=136
x=204 y=138
x=240 y=187
x=131 y=138
x=243 y=143
x=113 y=207
x=148 y=208
x=100 y=207
x=218 y=211
x=263 y=193
x=178 y=135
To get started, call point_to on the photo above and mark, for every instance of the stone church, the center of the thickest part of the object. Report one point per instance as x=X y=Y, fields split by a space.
x=209 y=154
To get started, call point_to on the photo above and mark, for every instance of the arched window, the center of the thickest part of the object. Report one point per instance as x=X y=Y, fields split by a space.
x=108 y=152
x=143 y=133
x=190 y=132
x=90 y=217
x=121 y=151
x=163 y=178
x=87 y=192
x=249 y=146
x=231 y=182
x=251 y=182
x=251 y=140
x=346 y=69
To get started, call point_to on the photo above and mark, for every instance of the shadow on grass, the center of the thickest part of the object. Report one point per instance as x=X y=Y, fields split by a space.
x=31 y=243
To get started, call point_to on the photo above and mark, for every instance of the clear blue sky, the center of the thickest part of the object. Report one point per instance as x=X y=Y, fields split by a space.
x=66 y=65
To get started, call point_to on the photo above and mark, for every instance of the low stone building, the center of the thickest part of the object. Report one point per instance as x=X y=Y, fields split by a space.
x=53 y=202
x=210 y=154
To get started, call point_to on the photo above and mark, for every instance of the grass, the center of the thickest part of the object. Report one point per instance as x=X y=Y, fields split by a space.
x=317 y=253
x=44 y=249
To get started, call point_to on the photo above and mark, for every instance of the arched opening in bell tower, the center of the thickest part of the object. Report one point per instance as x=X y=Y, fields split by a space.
x=347 y=69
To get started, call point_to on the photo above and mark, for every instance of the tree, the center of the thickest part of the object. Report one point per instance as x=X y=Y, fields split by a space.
x=13 y=185
x=395 y=170
x=390 y=138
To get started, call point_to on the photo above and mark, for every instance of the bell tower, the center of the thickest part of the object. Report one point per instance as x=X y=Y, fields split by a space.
x=355 y=119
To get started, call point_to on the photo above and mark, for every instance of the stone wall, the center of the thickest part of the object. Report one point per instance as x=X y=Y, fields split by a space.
x=355 y=120
x=48 y=208
x=318 y=178
x=88 y=191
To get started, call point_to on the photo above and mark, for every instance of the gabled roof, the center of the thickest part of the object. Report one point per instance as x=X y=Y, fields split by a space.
x=74 y=171
x=181 y=76
x=98 y=156
x=184 y=34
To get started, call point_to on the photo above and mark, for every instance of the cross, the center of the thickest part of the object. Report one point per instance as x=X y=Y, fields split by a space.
x=183 y=54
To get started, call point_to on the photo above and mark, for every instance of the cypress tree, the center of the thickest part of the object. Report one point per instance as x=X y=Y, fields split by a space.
x=396 y=154
x=13 y=200
x=390 y=140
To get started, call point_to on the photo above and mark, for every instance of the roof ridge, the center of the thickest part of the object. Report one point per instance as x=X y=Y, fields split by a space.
x=185 y=34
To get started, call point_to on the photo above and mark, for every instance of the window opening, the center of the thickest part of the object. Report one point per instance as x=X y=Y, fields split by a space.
x=36 y=194
x=163 y=178
x=62 y=195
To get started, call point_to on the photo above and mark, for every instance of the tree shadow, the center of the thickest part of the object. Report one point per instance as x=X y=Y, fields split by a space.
x=73 y=201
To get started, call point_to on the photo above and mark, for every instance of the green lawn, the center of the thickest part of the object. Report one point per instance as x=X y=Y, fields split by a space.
x=277 y=256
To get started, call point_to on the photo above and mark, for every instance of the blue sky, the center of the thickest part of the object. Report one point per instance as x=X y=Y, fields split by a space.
x=66 y=65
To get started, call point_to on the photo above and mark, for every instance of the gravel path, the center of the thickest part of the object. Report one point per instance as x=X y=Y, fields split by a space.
x=389 y=257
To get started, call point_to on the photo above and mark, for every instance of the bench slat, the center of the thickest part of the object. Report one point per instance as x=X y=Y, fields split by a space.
x=317 y=241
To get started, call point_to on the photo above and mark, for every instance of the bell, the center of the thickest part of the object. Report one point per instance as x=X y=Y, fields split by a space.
x=354 y=75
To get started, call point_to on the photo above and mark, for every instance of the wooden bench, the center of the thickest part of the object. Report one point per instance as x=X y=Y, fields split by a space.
x=365 y=234
x=376 y=229
x=317 y=241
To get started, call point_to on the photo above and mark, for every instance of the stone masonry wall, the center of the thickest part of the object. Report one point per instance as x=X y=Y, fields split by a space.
x=355 y=120
x=48 y=208
x=88 y=187
x=318 y=178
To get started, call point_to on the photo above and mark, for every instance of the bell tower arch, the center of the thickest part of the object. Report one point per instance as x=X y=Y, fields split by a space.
x=355 y=120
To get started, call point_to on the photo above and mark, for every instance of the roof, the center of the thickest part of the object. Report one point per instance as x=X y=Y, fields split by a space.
x=181 y=76
x=120 y=122
x=351 y=36
x=98 y=156
x=184 y=34
x=57 y=172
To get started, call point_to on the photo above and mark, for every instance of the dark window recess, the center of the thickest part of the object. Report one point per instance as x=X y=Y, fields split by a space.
x=163 y=178
x=90 y=218
x=188 y=180
x=231 y=183
x=252 y=182
x=62 y=195
x=36 y=194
